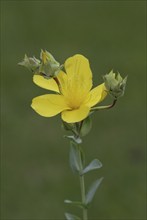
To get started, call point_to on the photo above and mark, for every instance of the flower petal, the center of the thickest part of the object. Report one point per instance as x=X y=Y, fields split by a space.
x=76 y=115
x=96 y=95
x=62 y=78
x=49 y=84
x=49 y=105
x=79 y=72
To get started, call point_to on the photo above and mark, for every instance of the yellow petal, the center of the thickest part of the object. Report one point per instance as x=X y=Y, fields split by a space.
x=49 y=105
x=96 y=95
x=62 y=78
x=49 y=84
x=79 y=72
x=76 y=115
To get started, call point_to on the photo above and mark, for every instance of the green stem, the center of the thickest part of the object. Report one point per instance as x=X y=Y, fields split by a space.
x=82 y=186
x=104 y=107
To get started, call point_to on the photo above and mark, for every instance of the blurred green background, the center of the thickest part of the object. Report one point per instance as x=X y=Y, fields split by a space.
x=36 y=177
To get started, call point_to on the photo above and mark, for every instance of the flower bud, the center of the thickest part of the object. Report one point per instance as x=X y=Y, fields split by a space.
x=31 y=63
x=49 y=67
x=115 y=84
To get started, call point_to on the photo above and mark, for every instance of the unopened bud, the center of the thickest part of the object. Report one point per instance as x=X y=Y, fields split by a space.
x=49 y=67
x=31 y=63
x=115 y=84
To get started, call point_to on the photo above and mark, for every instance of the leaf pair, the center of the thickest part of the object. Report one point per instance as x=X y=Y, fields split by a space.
x=75 y=153
x=89 y=196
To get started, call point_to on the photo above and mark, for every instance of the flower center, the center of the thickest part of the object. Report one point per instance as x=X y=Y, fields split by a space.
x=75 y=100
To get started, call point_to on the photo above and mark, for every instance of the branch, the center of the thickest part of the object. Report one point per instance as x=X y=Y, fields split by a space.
x=104 y=107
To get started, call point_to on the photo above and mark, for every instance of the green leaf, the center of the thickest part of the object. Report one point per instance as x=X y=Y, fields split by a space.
x=74 y=158
x=74 y=203
x=92 y=191
x=95 y=164
x=71 y=217
x=86 y=126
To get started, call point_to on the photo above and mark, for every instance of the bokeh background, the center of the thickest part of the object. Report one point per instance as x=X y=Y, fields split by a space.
x=35 y=174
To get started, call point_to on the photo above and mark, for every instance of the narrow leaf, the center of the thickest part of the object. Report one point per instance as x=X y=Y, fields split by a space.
x=86 y=126
x=73 y=158
x=74 y=203
x=92 y=190
x=95 y=164
x=71 y=217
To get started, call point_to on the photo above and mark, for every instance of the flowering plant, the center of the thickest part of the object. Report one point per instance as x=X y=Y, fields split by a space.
x=75 y=99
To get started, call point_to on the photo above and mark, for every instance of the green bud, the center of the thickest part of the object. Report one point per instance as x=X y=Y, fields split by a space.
x=49 y=66
x=115 y=84
x=31 y=63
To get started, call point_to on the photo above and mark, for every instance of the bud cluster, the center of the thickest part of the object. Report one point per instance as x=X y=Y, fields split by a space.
x=115 y=84
x=47 y=66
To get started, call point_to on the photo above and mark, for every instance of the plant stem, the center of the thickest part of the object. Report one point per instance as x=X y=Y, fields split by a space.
x=104 y=107
x=82 y=186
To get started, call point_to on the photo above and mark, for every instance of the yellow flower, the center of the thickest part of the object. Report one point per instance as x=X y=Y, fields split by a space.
x=74 y=97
